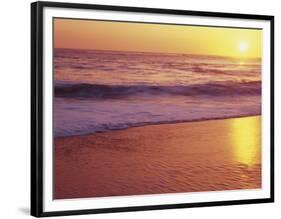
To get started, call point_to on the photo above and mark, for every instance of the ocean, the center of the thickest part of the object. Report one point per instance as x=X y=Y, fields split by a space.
x=97 y=91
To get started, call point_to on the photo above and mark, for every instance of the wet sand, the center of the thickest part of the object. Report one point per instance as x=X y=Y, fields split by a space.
x=168 y=158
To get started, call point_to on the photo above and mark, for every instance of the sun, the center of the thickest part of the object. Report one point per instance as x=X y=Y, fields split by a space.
x=243 y=46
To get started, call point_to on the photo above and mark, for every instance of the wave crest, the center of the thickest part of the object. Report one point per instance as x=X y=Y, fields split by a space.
x=123 y=91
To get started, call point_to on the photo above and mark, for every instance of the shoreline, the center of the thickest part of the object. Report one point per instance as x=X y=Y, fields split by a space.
x=162 y=123
x=213 y=155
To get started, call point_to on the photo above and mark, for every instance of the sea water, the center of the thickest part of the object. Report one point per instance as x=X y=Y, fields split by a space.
x=97 y=91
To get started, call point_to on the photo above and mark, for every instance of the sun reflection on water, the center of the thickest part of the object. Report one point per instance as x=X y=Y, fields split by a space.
x=246 y=140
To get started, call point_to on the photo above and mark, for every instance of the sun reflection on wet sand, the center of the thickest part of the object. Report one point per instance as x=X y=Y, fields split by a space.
x=211 y=155
x=246 y=140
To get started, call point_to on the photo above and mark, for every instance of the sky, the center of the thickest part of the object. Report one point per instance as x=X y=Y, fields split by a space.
x=126 y=36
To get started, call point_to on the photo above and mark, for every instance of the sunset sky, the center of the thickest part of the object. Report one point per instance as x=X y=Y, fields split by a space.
x=124 y=36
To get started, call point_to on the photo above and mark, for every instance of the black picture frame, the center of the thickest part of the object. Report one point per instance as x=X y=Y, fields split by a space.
x=37 y=107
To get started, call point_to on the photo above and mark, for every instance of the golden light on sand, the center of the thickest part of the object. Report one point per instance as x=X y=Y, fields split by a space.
x=246 y=140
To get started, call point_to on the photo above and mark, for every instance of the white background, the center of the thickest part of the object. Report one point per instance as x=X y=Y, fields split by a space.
x=15 y=108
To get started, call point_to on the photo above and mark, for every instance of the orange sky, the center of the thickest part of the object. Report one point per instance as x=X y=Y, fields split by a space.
x=106 y=35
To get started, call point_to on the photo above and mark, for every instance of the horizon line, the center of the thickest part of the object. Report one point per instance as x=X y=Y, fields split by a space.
x=155 y=52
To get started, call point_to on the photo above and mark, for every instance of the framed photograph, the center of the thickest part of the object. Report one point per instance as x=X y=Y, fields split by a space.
x=144 y=108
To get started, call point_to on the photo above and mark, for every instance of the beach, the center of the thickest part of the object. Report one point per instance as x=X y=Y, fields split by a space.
x=211 y=155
